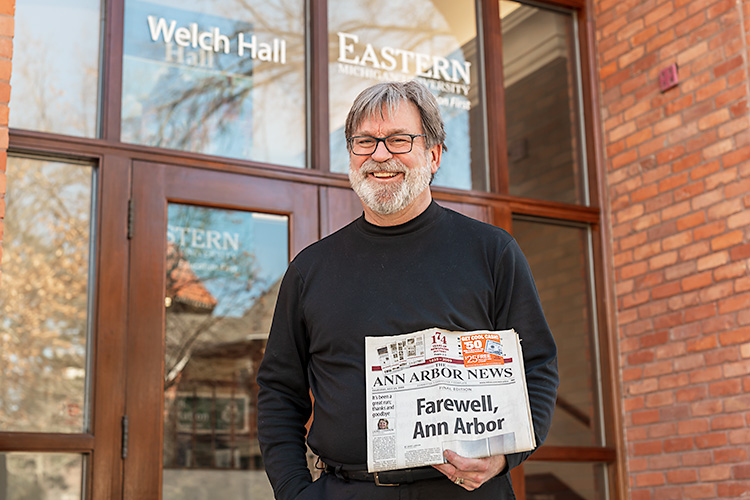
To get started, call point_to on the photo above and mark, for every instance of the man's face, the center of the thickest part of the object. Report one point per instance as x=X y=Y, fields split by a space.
x=390 y=183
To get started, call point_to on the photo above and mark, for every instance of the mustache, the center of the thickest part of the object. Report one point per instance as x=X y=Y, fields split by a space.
x=390 y=165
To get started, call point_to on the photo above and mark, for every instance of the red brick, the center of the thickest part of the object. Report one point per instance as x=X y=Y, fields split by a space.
x=734 y=455
x=715 y=473
x=640 y=357
x=687 y=162
x=696 y=281
x=647 y=448
x=691 y=220
x=709 y=230
x=713 y=440
x=671 y=350
x=673 y=381
x=732 y=421
x=739 y=471
x=740 y=252
x=735 y=303
x=712 y=261
x=730 y=271
x=670 y=461
x=733 y=490
x=696 y=491
x=678 y=444
x=666 y=290
x=736 y=369
x=721 y=356
x=725 y=388
x=656 y=369
x=656 y=400
x=682 y=476
x=645 y=417
x=691 y=394
x=713 y=119
x=737 y=188
x=649 y=479
x=706 y=374
x=735 y=336
x=696 y=426
x=696 y=458
x=704 y=343
x=740 y=436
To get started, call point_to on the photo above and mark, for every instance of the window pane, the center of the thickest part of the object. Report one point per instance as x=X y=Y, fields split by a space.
x=372 y=41
x=54 y=87
x=41 y=476
x=44 y=296
x=565 y=481
x=542 y=110
x=222 y=78
x=224 y=268
x=559 y=258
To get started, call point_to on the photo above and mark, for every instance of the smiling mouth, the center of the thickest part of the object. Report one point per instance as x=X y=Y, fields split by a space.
x=385 y=175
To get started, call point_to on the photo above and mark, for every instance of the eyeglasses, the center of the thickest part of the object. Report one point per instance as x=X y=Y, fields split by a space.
x=363 y=145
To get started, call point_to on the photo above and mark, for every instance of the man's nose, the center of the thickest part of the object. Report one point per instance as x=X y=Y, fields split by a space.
x=381 y=153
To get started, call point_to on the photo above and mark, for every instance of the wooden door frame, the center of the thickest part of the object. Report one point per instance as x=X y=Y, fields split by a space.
x=154 y=186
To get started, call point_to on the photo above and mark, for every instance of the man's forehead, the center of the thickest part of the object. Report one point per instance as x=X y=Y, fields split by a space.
x=402 y=116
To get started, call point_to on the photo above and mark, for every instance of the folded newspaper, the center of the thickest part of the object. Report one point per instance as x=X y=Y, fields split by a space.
x=437 y=390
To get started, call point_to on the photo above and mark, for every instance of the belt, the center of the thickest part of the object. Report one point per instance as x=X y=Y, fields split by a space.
x=386 y=478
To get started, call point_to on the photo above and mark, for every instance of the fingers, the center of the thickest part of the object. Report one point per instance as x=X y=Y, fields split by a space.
x=470 y=473
x=466 y=464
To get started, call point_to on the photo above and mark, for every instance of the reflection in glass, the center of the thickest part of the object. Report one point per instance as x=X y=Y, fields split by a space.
x=44 y=296
x=559 y=258
x=542 y=106
x=432 y=41
x=224 y=268
x=41 y=476
x=565 y=481
x=222 y=78
x=55 y=83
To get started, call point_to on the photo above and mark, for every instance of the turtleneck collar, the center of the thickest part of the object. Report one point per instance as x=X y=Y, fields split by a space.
x=432 y=213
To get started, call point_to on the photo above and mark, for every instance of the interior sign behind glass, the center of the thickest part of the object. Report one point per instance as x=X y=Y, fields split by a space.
x=214 y=41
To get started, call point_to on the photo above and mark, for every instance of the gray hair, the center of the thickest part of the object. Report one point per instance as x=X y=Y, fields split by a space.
x=384 y=98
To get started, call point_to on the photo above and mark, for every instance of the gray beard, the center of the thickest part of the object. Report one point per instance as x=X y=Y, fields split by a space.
x=391 y=199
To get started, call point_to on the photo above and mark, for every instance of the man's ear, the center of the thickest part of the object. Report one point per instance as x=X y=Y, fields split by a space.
x=435 y=155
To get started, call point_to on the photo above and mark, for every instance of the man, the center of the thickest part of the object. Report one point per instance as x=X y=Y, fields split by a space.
x=406 y=265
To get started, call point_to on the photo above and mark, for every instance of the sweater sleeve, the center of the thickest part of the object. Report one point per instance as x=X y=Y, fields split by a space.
x=284 y=404
x=519 y=308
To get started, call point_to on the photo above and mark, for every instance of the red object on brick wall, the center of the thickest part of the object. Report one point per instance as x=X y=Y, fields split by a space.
x=668 y=77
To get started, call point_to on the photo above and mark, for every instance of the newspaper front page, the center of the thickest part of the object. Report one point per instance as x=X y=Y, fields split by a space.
x=434 y=390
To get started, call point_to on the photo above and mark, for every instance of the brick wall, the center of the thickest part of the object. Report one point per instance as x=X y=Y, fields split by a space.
x=678 y=176
x=7 y=9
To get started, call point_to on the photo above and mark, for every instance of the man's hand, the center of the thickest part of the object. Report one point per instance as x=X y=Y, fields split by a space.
x=471 y=473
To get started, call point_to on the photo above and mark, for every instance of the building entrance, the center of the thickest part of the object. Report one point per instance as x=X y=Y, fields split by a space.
x=208 y=251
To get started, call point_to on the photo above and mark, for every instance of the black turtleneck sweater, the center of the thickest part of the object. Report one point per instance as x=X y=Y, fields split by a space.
x=440 y=269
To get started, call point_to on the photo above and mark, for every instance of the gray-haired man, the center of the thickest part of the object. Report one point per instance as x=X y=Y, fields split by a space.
x=406 y=265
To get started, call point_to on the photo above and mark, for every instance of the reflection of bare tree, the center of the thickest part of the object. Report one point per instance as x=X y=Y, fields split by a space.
x=190 y=319
x=49 y=100
x=218 y=315
x=234 y=99
x=44 y=297
x=43 y=318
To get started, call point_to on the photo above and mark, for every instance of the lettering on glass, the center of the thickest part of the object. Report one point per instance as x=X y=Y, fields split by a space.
x=439 y=74
x=213 y=40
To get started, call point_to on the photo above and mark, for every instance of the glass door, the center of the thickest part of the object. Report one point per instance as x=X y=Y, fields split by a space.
x=209 y=250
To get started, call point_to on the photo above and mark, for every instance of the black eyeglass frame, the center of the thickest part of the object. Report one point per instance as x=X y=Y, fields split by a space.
x=378 y=140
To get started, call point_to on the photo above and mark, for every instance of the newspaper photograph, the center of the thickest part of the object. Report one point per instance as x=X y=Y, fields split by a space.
x=437 y=390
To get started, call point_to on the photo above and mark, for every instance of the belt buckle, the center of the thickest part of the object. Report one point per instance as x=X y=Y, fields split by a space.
x=378 y=483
